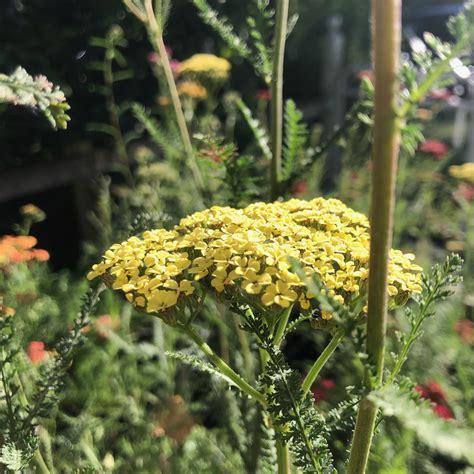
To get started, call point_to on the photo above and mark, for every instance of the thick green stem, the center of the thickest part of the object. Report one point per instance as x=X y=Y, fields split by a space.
x=386 y=36
x=224 y=368
x=283 y=458
x=321 y=362
x=156 y=36
x=277 y=95
x=40 y=463
x=281 y=327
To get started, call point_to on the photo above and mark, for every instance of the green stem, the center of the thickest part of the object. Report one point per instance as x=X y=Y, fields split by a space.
x=320 y=362
x=249 y=365
x=282 y=324
x=223 y=367
x=277 y=95
x=40 y=463
x=283 y=458
x=386 y=39
x=156 y=36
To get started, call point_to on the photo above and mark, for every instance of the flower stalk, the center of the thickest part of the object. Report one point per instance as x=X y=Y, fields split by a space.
x=155 y=31
x=283 y=458
x=321 y=362
x=223 y=367
x=386 y=39
x=277 y=95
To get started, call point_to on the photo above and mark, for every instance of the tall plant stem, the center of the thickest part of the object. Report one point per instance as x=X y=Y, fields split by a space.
x=156 y=36
x=277 y=95
x=386 y=21
x=224 y=368
x=320 y=362
x=283 y=458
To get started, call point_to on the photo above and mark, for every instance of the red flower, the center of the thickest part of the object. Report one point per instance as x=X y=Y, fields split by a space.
x=299 y=188
x=432 y=391
x=434 y=147
x=36 y=352
x=321 y=389
x=264 y=94
x=467 y=191
x=443 y=411
x=328 y=384
x=465 y=329
x=366 y=74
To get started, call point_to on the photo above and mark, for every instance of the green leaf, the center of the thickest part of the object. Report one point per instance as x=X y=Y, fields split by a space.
x=445 y=437
x=295 y=139
x=258 y=131
x=223 y=27
x=200 y=365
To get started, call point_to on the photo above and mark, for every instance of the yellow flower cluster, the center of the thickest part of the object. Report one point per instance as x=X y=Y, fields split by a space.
x=206 y=64
x=192 y=89
x=243 y=253
x=465 y=172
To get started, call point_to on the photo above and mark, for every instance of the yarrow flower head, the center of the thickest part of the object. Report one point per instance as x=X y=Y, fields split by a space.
x=464 y=172
x=206 y=64
x=243 y=255
x=192 y=89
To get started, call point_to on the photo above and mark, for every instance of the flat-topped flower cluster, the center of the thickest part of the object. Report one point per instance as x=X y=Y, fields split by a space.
x=464 y=172
x=244 y=253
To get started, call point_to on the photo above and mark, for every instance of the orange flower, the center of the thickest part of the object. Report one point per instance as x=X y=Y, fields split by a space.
x=40 y=255
x=106 y=323
x=192 y=89
x=18 y=249
x=7 y=311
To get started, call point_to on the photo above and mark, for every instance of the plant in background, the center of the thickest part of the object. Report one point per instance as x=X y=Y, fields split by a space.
x=111 y=45
x=22 y=411
x=19 y=88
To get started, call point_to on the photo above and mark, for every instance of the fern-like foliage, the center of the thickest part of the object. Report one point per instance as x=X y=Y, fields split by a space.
x=259 y=51
x=296 y=134
x=437 y=286
x=19 y=88
x=442 y=436
x=293 y=413
x=18 y=416
x=433 y=60
x=258 y=131
x=260 y=31
x=223 y=27
x=169 y=143
x=200 y=365
x=19 y=445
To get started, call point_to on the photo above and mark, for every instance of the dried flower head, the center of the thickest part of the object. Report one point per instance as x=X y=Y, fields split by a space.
x=243 y=254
